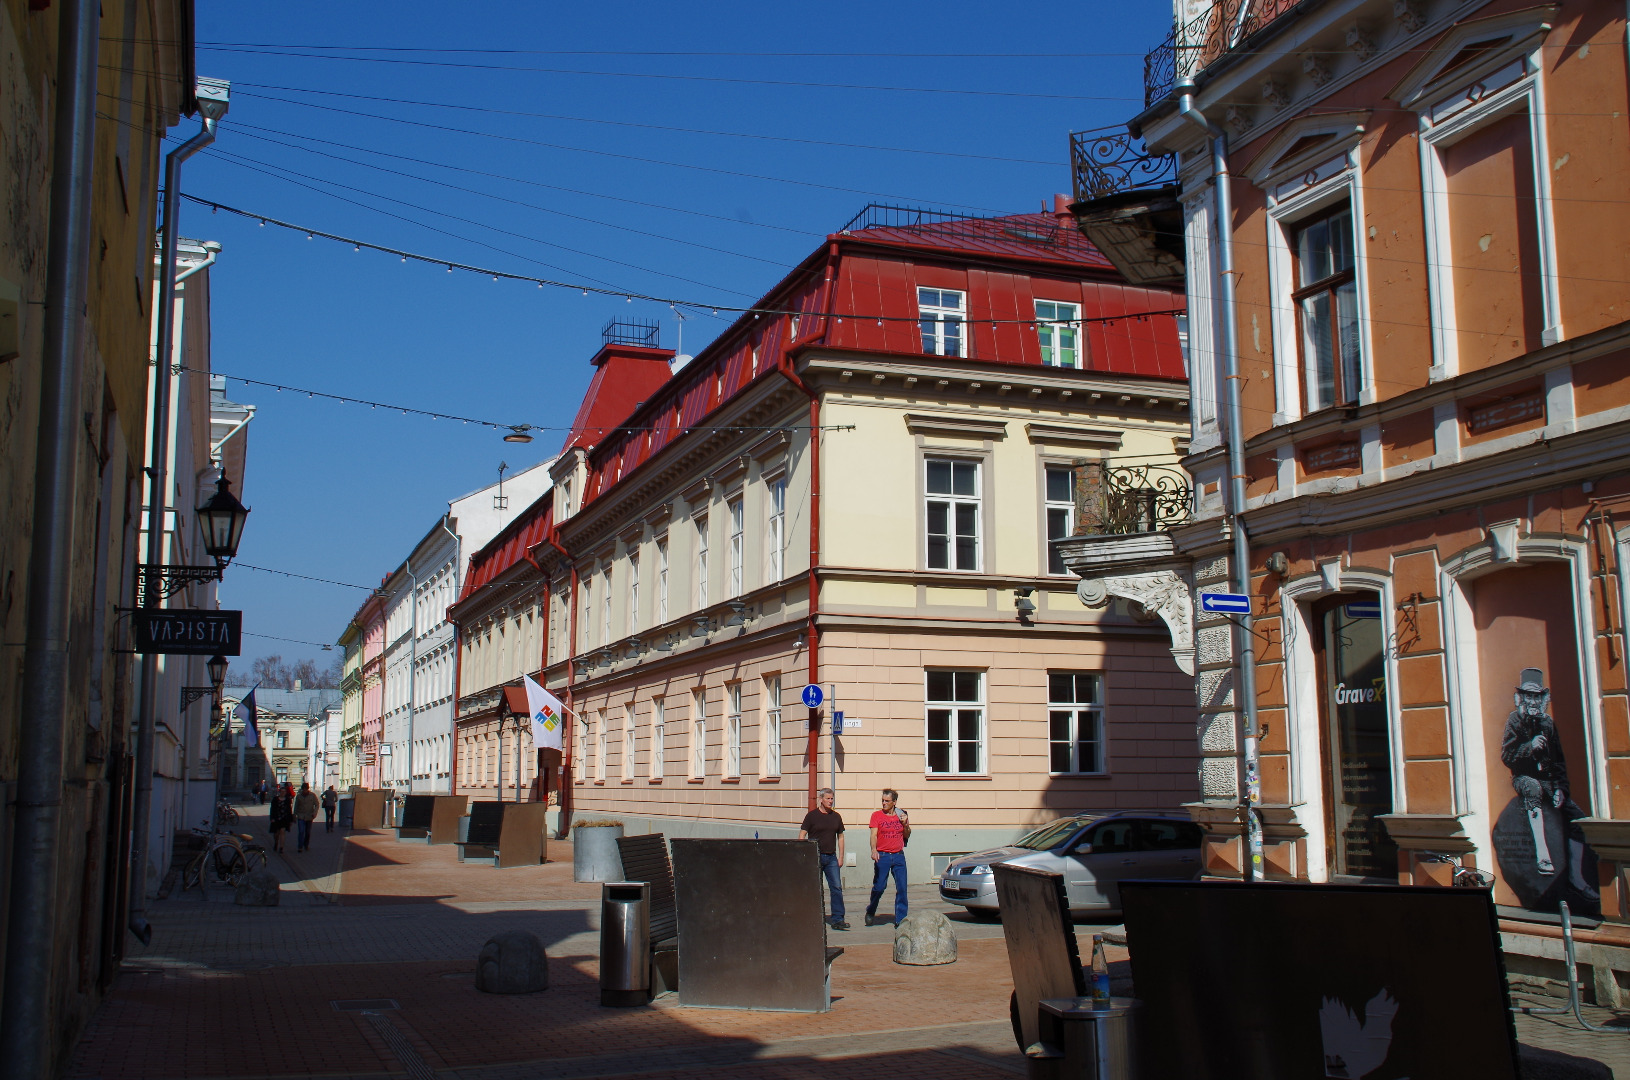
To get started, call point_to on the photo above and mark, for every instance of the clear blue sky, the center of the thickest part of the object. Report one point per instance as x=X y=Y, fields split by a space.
x=343 y=491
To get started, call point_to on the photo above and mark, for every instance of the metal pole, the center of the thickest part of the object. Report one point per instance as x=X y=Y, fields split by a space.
x=1244 y=642
x=832 y=693
x=25 y=1019
x=157 y=499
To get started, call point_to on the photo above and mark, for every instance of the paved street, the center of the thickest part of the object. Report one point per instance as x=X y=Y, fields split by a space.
x=366 y=969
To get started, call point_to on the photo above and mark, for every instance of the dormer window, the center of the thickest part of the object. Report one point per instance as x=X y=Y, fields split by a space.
x=940 y=313
x=1056 y=326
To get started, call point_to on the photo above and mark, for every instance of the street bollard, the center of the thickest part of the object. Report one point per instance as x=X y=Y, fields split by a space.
x=1087 y=1041
x=625 y=943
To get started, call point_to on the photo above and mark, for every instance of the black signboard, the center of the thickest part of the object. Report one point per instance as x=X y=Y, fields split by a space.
x=188 y=633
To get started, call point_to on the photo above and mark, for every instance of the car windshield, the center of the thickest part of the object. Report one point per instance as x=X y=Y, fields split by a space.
x=1051 y=835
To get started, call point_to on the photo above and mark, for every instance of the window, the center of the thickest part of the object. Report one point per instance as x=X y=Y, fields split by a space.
x=1326 y=300
x=628 y=742
x=775 y=532
x=662 y=580
x=282 y=774
x=956 y=722
x=736 y=546
x=953 y=514
x=769 y=760
x=600 y=745
x=1075 y=723
x=701 y=562
x=659 y=737
x=583 y=741
x=939 y=313
x=698 y=733
x=1057 y=325
x=588 y=614
x=732 y=730
x=1060 y=508
x=633 y=591
x=282 y=740
x=605 y=605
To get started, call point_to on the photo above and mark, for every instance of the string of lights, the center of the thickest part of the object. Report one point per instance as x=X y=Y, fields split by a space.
x=670 y=301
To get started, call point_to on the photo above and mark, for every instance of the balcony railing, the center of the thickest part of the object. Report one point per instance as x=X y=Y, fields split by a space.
x=1124 y=499
x=1108 y=161
x=1191 y=46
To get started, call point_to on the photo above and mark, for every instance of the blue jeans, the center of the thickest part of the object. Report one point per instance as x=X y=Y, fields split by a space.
x=833 y=872
x=302 y=834
x=889 y=862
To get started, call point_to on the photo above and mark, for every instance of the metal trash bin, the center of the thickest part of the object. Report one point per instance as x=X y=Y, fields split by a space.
x=625 y=943
x=1096 y=1042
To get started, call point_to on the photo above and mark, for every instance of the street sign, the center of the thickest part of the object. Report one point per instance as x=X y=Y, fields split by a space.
x=837 y=721
x=1364 y=609
x=812 y=696
x=175 y=632
x=1225 y=603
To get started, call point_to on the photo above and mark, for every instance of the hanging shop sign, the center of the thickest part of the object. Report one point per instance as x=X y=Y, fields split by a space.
x=188 y=633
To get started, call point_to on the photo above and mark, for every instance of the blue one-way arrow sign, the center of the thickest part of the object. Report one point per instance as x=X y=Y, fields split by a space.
x=1225 y=603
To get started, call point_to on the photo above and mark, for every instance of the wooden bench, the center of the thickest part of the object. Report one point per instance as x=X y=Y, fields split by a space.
x=486 y=827
x=645 y=858
x=418 y=811
x=1042 y=953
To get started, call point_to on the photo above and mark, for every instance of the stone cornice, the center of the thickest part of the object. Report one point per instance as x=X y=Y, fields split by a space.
x=986 y=381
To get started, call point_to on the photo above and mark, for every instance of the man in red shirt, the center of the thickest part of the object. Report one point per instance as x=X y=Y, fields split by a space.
x=890 y=829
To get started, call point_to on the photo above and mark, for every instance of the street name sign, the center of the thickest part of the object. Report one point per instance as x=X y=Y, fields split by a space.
x=188 y=633
x=1225 y=603
x=1364 y=609
x=812 y=696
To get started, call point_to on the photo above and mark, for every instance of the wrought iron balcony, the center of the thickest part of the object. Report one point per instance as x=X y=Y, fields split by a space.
x=1191 y=46
x=1109 y=161
x=1121 y=500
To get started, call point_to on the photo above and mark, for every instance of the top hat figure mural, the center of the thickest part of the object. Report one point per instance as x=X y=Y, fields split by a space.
x=1542 y=850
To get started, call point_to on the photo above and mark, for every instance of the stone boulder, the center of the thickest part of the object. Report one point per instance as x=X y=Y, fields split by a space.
x=513 y=962
x=259 y=888
x=1534 y=1063
x=925 y=938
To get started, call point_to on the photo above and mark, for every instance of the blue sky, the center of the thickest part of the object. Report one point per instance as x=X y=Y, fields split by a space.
x=567 y=175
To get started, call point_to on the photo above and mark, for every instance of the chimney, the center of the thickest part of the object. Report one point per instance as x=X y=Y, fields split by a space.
x=1061 y=211
x=297 y=686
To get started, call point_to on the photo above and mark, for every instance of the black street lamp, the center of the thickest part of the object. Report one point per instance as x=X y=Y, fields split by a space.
x=217 y=671
x=221 y=519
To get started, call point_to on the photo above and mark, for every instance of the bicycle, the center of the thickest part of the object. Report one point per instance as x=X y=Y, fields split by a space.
x=231 y=855
x=225 y=814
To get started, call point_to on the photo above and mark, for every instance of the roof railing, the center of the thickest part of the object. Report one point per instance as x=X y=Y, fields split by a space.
x=1190 y=47
x=646 y=333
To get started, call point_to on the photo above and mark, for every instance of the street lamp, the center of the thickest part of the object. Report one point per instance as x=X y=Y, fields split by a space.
x=221 y=519
x=217 y=671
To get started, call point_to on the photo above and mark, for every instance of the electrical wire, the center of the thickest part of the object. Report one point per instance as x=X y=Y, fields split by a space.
x=292 y=641
x=303 y=577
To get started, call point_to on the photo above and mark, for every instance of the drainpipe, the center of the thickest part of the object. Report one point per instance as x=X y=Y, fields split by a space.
x=452 y=732
x=25 y=1019
x=1244 y=642
x=157 y=499
x=413 y=667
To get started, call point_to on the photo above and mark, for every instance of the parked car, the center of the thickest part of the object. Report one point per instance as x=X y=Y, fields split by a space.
x=1094 y=852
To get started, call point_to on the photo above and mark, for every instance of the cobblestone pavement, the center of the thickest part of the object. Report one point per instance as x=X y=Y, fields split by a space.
x=367 y=970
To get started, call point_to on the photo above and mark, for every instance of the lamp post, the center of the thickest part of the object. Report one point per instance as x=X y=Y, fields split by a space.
x=221 y=520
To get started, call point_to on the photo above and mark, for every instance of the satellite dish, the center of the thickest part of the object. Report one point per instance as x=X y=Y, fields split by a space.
x=679 y=361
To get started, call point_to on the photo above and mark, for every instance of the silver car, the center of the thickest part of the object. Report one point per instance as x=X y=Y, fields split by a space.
x=1094 y=852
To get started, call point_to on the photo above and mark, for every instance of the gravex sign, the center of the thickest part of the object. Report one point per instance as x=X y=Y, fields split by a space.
x=188 y=633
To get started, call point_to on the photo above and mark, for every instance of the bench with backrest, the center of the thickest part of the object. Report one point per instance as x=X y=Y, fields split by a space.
x=645 y=858
x=486 y=827
x=417 y=813
x=1041 y=951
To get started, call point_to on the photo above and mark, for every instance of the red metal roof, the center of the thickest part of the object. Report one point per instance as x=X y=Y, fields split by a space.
x=510 y=546
x=1033 y=237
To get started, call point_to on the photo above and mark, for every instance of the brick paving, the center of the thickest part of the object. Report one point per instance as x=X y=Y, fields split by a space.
x=230 y=993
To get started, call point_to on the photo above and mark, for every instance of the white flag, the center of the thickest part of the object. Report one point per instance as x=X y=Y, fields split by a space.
x=548 y=716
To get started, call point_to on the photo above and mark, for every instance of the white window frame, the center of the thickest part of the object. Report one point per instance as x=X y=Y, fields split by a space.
x=942 y=314
x=1290 y=203
x=599 y=746
x=769 y=759
x=698 y=734
x=633 y=589
x=1048 y=505
x=775 y=529
x=1444 y=122
x=738 y=543
x=952 y=501
x=586 y=632
x=659 y=737
x=605 y=605
x=981 y=741
x=700 y=568
x=1094 y=710
x=629 y=732
x=662 y=579
x=1199 y=242
x=732 y=731
x=1066 y=318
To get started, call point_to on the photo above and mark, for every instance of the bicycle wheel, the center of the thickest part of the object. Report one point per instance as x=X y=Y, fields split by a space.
x=192 y=876
x=254 y=856
x=229 y=863
x=228 y=815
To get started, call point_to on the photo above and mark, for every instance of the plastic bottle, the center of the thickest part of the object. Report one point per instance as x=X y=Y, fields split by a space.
x=1100 y=972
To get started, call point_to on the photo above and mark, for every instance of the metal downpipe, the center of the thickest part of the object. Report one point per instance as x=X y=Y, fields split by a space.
x=1240 y=564
x=157 y=500
x=26 y=1027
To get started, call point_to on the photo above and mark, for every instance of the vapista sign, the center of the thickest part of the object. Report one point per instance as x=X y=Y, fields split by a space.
x=188 y=633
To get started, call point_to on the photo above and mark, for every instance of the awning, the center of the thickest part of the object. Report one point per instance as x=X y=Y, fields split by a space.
x=515 y=701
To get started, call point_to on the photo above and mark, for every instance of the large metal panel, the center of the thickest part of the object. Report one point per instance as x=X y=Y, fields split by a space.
x=417 y=811
x=1040 y=938
x=645 y=858
x=521 y=841
x=444 y=821
x=750 y=929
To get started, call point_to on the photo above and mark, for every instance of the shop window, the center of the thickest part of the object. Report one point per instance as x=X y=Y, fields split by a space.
x=1357 y=742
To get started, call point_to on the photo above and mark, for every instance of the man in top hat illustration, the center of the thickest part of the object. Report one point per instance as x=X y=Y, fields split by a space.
x=1539 y=774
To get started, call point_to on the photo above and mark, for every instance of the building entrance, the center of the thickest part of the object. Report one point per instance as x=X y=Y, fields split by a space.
x=1357 y=747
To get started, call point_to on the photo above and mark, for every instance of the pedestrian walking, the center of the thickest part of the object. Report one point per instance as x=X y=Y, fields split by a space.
x=305 y=812
x=282 y=816
x=891 y=828
x=331 y=800
x=260 y=792
x=824 y=825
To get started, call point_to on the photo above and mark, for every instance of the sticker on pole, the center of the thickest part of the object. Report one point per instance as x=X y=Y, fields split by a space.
x=1225 y=603
x=812 y=696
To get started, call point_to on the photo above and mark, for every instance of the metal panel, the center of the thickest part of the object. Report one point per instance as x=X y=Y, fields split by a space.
x=486 y=823
x=1040 y=941
x=521 y=840
x=417 y=811
x=750 y=929
x=444 y=820
x=645 y=858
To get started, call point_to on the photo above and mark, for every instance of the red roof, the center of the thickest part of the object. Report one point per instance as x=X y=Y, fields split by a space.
x=510 y=546
x=624 y=376
x=1041 y=236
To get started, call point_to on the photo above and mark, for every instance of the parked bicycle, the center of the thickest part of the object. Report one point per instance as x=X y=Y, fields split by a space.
x=225 y=814
x=228 y=856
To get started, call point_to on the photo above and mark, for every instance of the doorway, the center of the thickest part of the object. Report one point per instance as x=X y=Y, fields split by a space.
x=1356 y=743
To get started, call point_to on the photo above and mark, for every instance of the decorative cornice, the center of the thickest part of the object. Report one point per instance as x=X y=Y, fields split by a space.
x=962 y=427
x=1097 y=438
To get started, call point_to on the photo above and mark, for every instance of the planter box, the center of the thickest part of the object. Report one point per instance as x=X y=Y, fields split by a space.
x=594 y=853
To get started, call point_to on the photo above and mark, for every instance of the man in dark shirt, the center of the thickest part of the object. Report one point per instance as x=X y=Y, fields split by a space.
x=824 y=825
